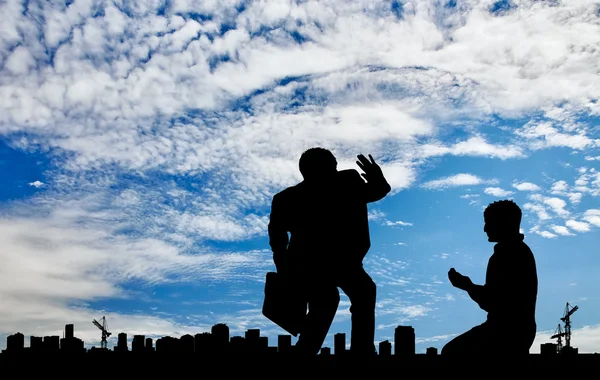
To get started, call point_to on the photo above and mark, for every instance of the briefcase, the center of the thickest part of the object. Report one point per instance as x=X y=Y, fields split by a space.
x=283 y=305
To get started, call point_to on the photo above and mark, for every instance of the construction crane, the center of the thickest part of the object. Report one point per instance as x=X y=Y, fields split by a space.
x=558 y=334
x=567 y=320
x=103 y=326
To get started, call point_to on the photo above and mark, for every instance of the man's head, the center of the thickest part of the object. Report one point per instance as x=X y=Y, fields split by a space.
x=317 y=163
x=502 y=220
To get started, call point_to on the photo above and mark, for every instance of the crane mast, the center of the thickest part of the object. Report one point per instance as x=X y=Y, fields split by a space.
x=103 y=326
x=559 y=334
x=567 y=320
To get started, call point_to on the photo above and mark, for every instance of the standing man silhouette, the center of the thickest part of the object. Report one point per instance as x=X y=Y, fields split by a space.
x=510 y=292
x=326 y=216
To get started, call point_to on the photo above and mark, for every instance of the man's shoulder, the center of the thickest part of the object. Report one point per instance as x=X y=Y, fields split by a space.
x=287 y=192
x=350 y=175
x=514 y=250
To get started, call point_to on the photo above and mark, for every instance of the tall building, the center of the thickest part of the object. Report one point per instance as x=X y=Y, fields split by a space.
x=69 y=331
x=252 y=340
x=36 y=343
x=252 y=334
x=15 y=342
x=70 y=343
x=339 y=343
x=148 y=347
x=385 y=348
x=284 y=343
x=122 y=342
x=220 y=333
x=137 y=344
x=404 y=340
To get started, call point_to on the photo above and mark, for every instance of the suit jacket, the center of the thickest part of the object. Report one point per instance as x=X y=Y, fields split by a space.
x=327 y=221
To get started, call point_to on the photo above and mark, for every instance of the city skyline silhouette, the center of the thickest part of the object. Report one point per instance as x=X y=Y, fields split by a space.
x=215 y=347
x=219 y=338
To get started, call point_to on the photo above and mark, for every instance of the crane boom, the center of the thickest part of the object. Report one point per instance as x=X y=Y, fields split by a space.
x=105 y=333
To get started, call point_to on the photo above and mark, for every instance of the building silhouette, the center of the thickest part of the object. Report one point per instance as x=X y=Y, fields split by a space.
x=122 y=343
x=325 y=351
x=36 y=343
x=52 y=343
x=404 y=340
x=237 y=344
x=204 y=344
x=70 y=343
x=69 y=331
x=385 y=348
x=167 y=344
x=15 y=342
x=148 y=346
x=137 y=344
x=431 y=351
x=548 y=349
x=284 y=343
x=339 y=344
x=186 y=344
x=220 y=337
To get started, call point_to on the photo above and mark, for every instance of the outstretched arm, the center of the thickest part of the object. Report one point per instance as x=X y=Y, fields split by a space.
x=377 y=185
x=478 y=293
x=278 y=234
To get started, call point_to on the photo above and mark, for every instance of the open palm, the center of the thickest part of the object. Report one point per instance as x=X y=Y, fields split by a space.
x=372 y=171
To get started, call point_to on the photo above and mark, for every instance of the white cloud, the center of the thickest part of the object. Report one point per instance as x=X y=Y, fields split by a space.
x=592 y=216
x=497 y=192
x=526 y=186
x=36 y=184
x=585 y=339
x=561 y=230
x=578 y=226
x=559 y=187
x=557 y=205
x=462 y=179
x=397 y=223
x=536 y=229
x=546 y=234
x=474 y=146
x=545 y=135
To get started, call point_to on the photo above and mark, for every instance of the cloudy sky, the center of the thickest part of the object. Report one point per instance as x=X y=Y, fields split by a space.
x=141 y=143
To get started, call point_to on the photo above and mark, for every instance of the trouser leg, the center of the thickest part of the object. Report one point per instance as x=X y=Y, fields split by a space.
x=362 y=292
x=323 y=302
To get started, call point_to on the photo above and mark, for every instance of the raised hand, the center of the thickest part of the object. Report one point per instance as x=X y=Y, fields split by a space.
x=458 y=280
x=372 y=171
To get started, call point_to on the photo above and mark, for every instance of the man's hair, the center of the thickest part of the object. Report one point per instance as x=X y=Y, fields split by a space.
x=315 y=161
x=505 y=212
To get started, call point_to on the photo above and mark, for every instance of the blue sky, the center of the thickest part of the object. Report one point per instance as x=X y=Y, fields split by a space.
x=141 y=143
